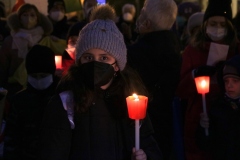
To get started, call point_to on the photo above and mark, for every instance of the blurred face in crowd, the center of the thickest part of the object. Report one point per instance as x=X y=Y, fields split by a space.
x=40 y=81
x=57 y=13
x=216 y=28
x=232 y=86
x=128 y=14
x=29 y=19
x=71 y=46
x=88 y=6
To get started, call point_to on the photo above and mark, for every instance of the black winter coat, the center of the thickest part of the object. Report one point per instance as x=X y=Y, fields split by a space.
x=156 y=57
x=23 y=123
x=224 y=131
x=102 y=132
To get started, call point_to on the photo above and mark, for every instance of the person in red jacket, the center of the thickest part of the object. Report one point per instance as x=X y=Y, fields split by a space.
x=214 y=42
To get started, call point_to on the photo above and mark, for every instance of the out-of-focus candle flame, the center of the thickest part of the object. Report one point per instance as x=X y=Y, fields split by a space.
x=203 y=83
x=136 y=97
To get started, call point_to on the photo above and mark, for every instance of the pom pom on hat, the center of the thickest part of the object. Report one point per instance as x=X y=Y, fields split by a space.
x=218 y=8
x=40 y=59
x=102 y=33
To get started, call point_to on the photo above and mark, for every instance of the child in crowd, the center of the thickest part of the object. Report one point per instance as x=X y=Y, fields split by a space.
x=27 y=106
x=214 y=42
x=224 y=117
x=88 y=118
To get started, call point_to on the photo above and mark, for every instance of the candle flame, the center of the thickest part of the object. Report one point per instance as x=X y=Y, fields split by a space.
x=203 y=83
x=136 y=97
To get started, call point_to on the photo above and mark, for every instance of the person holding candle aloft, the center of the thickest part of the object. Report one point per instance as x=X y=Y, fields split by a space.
x=88 y=118
x=214 y=42
x=224 y=116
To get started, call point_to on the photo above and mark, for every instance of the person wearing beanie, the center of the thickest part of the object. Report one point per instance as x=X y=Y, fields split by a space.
x=27 y=27
x=215 y=37
x=192 y=25
x=27 y=106
x=56 y=13
x=223 y=118
x=156 y=57
x=194 y=22
x=126 y=23
x=88 y=118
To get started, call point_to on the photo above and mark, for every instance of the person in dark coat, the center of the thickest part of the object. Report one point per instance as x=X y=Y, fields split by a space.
x=156 y=57
x=88 y=118
x=56 y=13
x=223 y=119
x=215 y=37
x=27 y=106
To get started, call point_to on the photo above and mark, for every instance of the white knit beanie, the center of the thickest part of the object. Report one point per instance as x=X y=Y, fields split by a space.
x=102 y=33
x=194 y=20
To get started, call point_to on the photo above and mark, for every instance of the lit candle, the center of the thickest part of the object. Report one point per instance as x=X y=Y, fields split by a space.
x=137 y=106
x=202 y=84
x=58 y=62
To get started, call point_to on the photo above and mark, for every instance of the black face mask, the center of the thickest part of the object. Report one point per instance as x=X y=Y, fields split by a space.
x=96 y=74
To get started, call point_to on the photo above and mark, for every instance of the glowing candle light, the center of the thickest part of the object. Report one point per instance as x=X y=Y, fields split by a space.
x=202 y=84
x=58 y=62
x=137 y=106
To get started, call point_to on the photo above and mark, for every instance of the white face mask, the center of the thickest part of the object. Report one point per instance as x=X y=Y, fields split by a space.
x=127 y=16
x=40 y=84
x=57 y=15
x=215 y=33
x=71 y=51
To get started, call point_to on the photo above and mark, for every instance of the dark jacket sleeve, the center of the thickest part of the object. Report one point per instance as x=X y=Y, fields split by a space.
x=148 y=143
x=12 y=135
x=56 y=133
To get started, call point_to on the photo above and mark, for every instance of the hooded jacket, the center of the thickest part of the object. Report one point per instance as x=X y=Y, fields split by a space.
x=11 y=64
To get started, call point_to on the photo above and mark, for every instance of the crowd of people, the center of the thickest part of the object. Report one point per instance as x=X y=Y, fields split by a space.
x=79 y=111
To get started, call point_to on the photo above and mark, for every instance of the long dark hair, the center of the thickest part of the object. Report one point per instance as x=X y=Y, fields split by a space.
x=125 y=83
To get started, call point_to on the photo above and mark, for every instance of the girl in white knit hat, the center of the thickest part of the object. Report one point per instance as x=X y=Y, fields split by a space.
x=88 y=118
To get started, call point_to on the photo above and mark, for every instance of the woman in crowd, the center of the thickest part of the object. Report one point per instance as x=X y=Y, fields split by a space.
x=216 y=37
x=28 y=26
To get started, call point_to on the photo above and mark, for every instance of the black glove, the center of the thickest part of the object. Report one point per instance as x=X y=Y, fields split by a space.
x=204 y=71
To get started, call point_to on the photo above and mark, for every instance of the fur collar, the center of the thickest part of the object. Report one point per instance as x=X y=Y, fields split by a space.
x=14 y=23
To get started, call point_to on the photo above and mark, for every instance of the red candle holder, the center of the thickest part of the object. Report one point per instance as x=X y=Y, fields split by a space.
x=137 y=106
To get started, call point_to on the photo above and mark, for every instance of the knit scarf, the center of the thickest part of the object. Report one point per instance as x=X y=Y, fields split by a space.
x=24 y=39
x=234 y=103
